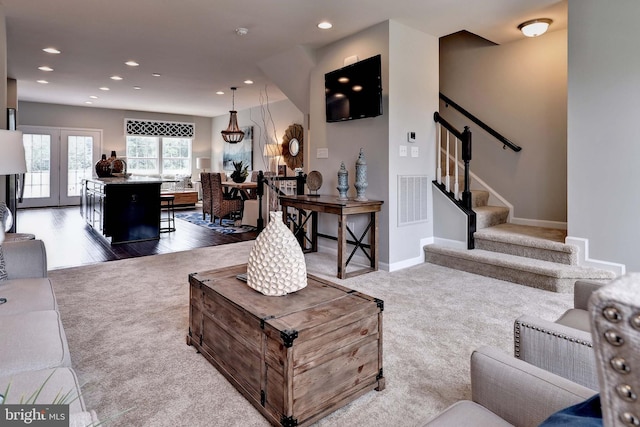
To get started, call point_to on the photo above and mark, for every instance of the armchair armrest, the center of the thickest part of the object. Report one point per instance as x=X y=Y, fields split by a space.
x=582 y=292
x=518 y=392
x=556 y=348
x=25 y=259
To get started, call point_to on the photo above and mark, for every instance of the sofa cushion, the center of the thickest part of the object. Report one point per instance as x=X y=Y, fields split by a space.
x=32 y=341
x=50 y=385
x=23 y=295
x=460 y=413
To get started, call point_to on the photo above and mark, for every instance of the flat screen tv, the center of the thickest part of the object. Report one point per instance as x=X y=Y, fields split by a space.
x=355 y=91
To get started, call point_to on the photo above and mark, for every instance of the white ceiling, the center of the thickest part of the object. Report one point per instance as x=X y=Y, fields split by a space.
x=193 y=44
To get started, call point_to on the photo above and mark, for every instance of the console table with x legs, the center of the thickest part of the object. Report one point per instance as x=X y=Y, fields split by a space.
x=308 y=208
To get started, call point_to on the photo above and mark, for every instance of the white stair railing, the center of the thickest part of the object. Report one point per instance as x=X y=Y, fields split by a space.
x=445 y=153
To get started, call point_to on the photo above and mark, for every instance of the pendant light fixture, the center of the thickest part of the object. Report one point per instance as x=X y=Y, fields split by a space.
x=232 y=134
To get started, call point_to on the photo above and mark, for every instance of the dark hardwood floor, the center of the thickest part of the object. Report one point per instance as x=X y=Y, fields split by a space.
x=71 y=242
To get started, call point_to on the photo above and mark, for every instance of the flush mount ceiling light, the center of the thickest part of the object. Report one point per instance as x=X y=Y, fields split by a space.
x=241 y=31
x=535 y=27
x=232 y=134
x=115 y=78
x=45 y=68
x=325 y=25
x=132 y=63
x=51 y=50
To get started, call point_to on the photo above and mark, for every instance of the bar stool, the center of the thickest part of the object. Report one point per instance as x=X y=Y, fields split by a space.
x=168 y=221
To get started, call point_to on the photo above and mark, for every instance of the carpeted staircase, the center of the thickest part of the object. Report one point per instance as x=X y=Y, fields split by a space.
x=530 y=256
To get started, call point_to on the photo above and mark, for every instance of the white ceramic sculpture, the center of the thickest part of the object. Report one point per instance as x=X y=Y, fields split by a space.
x=276 y=263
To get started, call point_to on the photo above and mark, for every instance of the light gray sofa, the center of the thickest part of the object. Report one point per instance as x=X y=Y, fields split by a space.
x=34 y=352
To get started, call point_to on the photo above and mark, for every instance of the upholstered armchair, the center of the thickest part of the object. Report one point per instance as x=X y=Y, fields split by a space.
x=221 y=206
x=563 y=347
x=509 y=392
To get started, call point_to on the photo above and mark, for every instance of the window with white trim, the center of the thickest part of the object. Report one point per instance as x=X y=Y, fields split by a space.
x=159 y=147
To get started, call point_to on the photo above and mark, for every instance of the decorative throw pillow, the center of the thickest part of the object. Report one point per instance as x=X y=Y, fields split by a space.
x=3 y=267
x=585 y=414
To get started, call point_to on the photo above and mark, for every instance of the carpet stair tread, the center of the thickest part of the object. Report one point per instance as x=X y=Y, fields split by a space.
x=541 y=243
x=488 y=216
x=526 y=271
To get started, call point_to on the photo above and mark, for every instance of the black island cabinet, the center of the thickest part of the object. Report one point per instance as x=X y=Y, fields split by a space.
x=123 y=209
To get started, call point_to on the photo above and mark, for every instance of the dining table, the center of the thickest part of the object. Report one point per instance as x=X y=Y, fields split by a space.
x=246 y=190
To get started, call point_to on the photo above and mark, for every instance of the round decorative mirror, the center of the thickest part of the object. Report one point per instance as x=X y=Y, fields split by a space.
x=292 y=146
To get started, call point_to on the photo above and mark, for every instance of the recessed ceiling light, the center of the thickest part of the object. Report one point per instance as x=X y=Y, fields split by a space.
x=248 y=82
x=132 y=63
x=219 y=92
x=241 y=31
x=93 y=97
x=51 y=50
x=156 y=74
x=104 y=88
x=325 y=25
x=42 y=82
x=137 y=87
x=45 y=68
x=88 y=102
x=116 y=78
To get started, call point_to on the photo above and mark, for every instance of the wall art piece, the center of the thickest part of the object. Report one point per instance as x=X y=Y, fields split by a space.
x=239 y=152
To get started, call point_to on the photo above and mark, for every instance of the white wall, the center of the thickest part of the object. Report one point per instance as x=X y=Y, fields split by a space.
x=112 y=124
x=344 y=139
x=283 y=114
x=413 y=98
x=410 y=96
x=603 y=133
x=519 y=89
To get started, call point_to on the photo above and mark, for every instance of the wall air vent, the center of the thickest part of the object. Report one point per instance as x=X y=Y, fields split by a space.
x=412 y=199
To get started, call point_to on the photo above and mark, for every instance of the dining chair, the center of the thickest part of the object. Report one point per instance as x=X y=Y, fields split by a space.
x=205 y=181
x=222 y=205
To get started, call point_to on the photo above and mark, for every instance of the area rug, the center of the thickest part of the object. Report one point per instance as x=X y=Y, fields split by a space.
x=228 y=225
x=126 y=322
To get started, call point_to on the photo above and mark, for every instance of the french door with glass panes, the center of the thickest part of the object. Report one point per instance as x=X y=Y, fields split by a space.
x=57 y=161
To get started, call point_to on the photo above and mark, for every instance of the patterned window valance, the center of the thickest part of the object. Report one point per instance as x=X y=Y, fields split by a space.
x=156 y=128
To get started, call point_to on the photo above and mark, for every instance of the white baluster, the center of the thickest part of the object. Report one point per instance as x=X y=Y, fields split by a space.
x=439 y=142
x=455 y=171
x=446 y=178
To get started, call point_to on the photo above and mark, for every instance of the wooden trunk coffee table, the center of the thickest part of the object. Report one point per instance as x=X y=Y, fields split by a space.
x=297 y=357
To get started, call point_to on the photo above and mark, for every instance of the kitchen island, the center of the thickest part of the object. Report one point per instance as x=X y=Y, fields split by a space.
x=122 y=209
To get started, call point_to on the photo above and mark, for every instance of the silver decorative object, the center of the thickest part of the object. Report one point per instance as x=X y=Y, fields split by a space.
x=343 y=182
x=276 y=263
x=361 y=177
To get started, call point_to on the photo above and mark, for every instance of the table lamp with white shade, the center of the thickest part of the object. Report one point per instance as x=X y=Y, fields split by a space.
x=203 y=163
x=273 y=152
x=12 y=162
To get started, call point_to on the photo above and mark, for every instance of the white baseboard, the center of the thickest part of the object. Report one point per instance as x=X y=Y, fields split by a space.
x=330 y=246
x=412 y=261
x=539 y=223
x=583 y=258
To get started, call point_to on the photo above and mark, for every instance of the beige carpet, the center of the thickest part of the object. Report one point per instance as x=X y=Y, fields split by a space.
x=126 y=323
